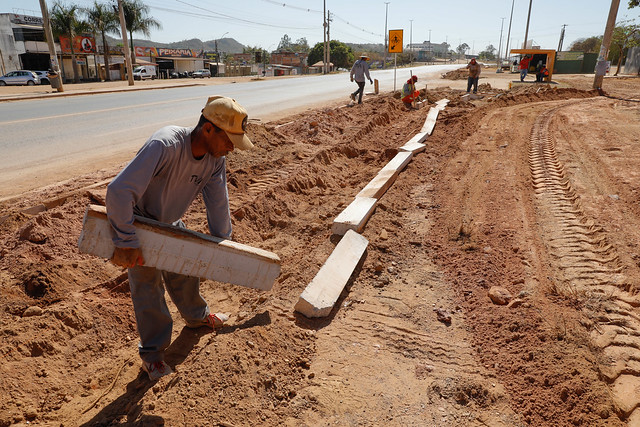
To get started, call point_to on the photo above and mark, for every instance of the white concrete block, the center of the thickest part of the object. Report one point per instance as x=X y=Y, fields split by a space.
x=413 y=147
x=399 y=161
x=419 y=137
x=442 y=103
x=379 y=184
x=319 y=297
x=355 y=216
x=183 y=251
x=387 y=175
x=430 y=122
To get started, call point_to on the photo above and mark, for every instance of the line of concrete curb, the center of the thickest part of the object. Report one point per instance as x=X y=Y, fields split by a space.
x=87 y=92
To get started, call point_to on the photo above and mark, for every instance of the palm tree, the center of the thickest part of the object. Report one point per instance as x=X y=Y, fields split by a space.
x=136 y=16
x=103 y=20
x=65 y=22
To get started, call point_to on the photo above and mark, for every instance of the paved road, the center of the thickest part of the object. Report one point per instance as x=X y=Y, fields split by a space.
x=48 y=140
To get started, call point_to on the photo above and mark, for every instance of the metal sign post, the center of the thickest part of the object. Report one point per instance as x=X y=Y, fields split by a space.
x=395 y=69
x=395 y=47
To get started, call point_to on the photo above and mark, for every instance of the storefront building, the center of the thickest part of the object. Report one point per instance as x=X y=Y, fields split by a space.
x=22 y=43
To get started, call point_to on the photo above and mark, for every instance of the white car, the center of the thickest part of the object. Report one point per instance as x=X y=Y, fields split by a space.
x=43 y=76
x=20 y=77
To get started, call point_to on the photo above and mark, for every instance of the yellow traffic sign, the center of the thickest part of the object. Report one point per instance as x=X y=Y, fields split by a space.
x=395 y=41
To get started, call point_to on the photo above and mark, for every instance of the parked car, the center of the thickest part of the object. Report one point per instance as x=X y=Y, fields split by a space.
x=201 y=73
x=44 y=78
x=20 y=77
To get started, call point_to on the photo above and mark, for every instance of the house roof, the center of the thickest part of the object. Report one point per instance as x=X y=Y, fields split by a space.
x=320 y=64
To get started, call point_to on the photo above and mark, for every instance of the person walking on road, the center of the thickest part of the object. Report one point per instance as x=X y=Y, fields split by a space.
x=524 y=67
x=172 y=168
x=474 y=75
x=359 y=70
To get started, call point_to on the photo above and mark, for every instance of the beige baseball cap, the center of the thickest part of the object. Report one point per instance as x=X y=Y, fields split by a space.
x=229 y=116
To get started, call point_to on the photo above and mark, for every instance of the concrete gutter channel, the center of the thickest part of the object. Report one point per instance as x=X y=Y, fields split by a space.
x=321 y=294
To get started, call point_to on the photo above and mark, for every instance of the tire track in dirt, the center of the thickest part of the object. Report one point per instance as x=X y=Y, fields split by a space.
x=589 y=268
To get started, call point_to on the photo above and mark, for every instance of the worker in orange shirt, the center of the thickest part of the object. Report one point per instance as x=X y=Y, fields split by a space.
x=409 y=93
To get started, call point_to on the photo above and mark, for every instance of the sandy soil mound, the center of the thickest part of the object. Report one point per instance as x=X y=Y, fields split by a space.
x=416 y=338
x=459 y=74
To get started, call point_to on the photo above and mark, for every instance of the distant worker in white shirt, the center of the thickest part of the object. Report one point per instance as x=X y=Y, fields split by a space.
x=359 y=70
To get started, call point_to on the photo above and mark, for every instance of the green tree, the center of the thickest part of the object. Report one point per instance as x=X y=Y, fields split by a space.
x=300 y=46
x=488 y=54
x=65 y=22
x=285 y=44
x=137 y=19
x=624 y=37
x=103 y=19
x=588 y=45
x=461 y=49
x=634 y=3
x=341 y=54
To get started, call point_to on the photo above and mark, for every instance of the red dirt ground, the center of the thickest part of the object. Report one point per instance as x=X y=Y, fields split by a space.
x=533 y=190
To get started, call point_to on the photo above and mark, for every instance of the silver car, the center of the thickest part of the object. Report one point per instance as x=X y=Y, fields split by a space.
x=20 y=77
x=201 y=73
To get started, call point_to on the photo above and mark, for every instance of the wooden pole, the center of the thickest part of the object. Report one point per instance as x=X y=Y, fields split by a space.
x=601 y=65
x=125 y=42
x=526 y=32
x=56 y=81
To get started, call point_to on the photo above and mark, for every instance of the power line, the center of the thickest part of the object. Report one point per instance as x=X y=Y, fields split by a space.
x=292 y=7
x=319 y=11
x=241 y=19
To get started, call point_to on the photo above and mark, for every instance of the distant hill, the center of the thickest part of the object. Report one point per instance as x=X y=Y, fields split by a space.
x=227 y=45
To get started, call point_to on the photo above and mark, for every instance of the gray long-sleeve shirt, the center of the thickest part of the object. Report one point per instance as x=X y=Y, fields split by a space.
x=162 y=181
x=359 y=70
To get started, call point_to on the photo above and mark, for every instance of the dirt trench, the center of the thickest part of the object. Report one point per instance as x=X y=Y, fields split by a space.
x=532 y=190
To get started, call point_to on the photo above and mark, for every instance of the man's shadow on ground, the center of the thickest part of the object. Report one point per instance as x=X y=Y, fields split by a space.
x=128 y=404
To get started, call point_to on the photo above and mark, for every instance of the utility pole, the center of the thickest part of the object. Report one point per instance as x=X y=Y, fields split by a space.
x=328 y=40
x=56 y=81
x=526 y=32
x=601 y=65
x=386 y=34
x=324 y=35
x=509 y=32
x=125 y=42
x=561 y=38
x=411 y=41
x=499 y=70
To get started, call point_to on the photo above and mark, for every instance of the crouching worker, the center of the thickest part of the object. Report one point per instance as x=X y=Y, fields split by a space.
x=542 y=73
x=171 y=169
x=409 y=93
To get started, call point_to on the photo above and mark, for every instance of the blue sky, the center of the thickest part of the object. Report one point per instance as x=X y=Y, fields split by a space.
x=262 y=23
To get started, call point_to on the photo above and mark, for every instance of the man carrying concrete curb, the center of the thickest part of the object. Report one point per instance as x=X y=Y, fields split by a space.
x=360 y=69
x=170 y=170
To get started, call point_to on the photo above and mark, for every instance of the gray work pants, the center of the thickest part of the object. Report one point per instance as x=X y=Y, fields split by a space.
x=152 y=314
